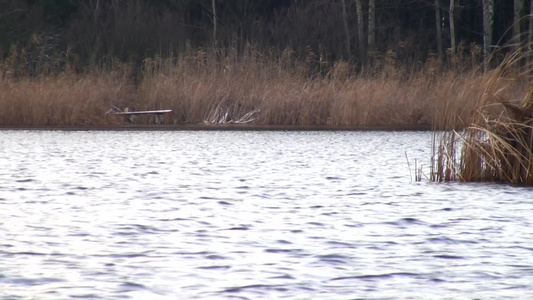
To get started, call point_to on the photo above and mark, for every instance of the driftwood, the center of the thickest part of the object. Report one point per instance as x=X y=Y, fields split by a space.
x=130 y=114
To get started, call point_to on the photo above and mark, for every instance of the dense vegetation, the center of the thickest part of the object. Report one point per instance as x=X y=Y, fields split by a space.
x=463 y=65
x=50 y=34
x=497 y=145
x=271 y=62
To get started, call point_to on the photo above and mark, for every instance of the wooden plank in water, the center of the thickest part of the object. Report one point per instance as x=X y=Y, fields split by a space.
x=158 y=114
x=145 y=112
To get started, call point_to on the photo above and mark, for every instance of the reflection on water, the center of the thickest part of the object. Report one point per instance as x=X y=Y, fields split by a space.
x=250 y=215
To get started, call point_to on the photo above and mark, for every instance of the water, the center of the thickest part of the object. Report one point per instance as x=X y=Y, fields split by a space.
x=251 y=215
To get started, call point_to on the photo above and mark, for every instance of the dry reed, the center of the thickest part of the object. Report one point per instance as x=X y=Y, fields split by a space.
x=266 y=92
x=63 y=100
x=221 y=87
x=497 y=146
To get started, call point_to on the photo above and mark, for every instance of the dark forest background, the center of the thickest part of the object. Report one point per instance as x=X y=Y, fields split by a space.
x=97 y=33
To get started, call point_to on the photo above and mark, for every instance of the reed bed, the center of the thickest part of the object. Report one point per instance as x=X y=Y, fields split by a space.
x=221 y=87
x=63 y=100
x=497 y=145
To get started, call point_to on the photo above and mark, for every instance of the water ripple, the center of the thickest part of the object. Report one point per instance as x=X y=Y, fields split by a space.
x=251 y=215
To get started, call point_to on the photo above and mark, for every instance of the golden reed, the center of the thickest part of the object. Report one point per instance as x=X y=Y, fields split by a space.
x=497 y=144
x=221 y=87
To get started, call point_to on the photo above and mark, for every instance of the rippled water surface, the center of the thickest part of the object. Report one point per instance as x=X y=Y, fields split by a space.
x=251 y=215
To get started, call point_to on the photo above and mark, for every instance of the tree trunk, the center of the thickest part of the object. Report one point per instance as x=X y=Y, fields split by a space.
x=361 y=29
x=371 y=25
x=517 y=36
x=214 y=22
x=346 y=28
x=93 y=58
x=488 y=21
x=452 y=28
x=530 y=37
x=439 y=29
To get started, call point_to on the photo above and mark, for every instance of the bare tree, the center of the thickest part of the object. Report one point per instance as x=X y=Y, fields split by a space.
x=439 y=28
x=361 y=29
x=371 y=24
x=452 y=27
x=346 y=28
x=530 y=36
x=214 y=8
x=96 y=11
x=488 y=22
x=518 y=5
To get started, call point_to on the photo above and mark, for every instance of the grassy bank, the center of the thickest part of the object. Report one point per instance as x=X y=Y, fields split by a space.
x=257 y=89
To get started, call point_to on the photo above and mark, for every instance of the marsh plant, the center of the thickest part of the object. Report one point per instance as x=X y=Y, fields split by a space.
x=497 y=145
x=215 y=86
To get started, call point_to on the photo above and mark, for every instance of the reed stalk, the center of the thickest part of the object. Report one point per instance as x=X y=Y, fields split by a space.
x=497 y=146
x=261 y=88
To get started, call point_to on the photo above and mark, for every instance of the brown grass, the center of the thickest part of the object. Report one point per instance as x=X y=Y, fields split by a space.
x=497 y=146
x=256 y=88
x=66 y=99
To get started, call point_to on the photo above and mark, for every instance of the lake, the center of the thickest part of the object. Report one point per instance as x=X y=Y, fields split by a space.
x=251 y=215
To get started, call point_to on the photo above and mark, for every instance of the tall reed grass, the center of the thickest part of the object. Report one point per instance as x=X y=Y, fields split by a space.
x=497 y=145
x=221 y=87
x=62 y=100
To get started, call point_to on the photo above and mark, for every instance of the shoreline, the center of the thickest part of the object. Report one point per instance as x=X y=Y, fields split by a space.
x=228 y=127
